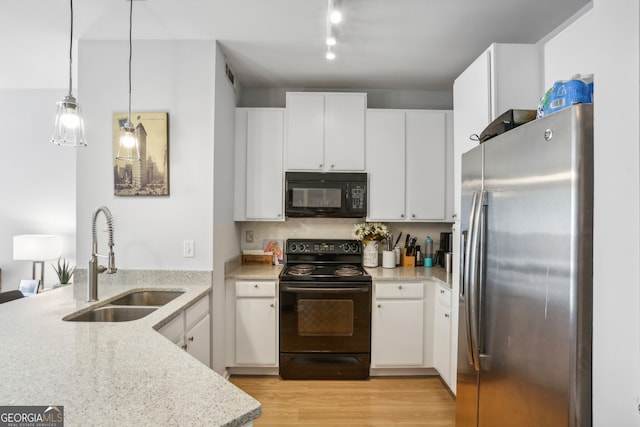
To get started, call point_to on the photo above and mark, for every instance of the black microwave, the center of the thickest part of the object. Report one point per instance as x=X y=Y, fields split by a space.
x=328 y=195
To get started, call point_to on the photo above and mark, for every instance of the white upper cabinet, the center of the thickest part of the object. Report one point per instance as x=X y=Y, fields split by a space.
x=385 y=164
x=259 y=177
x=325 y=131
x=409 y=160
x=504 y=77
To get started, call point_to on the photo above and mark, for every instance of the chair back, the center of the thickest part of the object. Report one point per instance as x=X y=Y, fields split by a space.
x=10 y=296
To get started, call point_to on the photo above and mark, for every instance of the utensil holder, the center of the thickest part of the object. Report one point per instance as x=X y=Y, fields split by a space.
x=388 y=259
x=408 y=261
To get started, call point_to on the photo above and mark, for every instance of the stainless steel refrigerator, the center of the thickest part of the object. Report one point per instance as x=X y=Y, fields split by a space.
x=525 y=313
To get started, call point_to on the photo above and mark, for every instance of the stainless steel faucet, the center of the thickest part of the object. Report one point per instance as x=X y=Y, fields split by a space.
x=94 y=268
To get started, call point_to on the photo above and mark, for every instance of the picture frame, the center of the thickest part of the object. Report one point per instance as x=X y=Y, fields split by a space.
x=149 y=176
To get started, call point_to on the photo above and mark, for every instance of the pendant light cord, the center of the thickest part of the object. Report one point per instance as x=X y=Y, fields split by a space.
x=71 y=50
x=130 y=51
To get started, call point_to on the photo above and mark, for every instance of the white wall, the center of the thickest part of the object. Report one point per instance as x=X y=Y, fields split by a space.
x=171 y=76
x=376 y=98
x=571 y=51
x=605 y=41
x=616 y=267
x=38 y=179
x=226 y=237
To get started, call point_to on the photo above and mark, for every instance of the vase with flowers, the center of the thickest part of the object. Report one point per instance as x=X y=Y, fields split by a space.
x=370 y=234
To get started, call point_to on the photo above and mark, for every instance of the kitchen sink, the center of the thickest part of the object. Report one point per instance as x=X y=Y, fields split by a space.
x=110 y=313
x=147 y=298
x=132 y=306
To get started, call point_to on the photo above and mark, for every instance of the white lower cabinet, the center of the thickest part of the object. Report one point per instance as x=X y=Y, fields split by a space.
x=191 y=330
x=252 y=324
x=442 y=334
x=400 y=333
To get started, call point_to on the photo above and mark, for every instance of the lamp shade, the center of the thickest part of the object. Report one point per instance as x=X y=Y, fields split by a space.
x=36 y=247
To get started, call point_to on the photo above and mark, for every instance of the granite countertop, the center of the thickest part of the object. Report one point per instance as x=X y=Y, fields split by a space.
x=235 y=270
x=410 y=273
x=122 y=373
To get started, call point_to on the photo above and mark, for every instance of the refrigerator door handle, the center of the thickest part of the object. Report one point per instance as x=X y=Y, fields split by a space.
x=473 y=291
x=468 y=288
x=483 y=359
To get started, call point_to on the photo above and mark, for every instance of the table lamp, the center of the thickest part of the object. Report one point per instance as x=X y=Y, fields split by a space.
x=37 y=248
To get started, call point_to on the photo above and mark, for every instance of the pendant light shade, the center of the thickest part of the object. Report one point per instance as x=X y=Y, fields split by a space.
x=128 y=149
x=69 y=126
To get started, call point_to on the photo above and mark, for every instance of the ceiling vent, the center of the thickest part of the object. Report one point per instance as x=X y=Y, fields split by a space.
x=231 y=76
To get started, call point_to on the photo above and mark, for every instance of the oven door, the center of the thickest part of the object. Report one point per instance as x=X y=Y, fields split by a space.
x=325 y=330
x=325 y=317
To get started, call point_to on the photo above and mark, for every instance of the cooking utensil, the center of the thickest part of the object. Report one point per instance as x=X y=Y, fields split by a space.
x=398 y=239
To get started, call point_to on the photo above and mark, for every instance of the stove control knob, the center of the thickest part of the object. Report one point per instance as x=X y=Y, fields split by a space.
x=354 y=247
x=293 y=247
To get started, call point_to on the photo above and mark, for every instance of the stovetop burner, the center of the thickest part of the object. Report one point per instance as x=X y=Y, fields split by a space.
x=323 y=260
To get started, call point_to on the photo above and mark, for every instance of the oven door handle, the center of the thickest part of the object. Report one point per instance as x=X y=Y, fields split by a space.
x=302 y=289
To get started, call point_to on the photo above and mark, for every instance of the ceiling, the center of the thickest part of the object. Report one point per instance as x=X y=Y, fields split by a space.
x=382 y=44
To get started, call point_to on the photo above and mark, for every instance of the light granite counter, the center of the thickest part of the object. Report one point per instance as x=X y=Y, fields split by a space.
x=233 y=269
x=410 y=273
x=123 y=374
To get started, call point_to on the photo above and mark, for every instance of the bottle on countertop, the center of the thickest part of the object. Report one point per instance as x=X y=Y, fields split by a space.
x=419 y=258
x=428 y=252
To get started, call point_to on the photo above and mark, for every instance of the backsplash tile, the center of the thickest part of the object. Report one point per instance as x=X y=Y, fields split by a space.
x=332 y=228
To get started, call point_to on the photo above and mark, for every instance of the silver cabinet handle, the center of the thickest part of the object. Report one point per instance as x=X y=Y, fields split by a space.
x=184 y=347
x=190 y=339
x=256 y=286
x=272 y=305
x=401 y=215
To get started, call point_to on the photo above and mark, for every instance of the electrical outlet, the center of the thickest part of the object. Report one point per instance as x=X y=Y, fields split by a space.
x=248 y=237
x=189 y=250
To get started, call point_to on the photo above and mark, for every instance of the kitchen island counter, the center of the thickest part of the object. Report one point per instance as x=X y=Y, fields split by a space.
x=410 y=273
x=120 y=373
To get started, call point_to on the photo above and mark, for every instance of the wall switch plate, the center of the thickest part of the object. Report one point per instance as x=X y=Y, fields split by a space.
x=248 y=237
x=189 y=250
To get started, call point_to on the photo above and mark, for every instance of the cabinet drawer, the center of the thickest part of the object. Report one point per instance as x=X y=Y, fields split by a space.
x=255 y=289
x=443 y=296
x=401 y=290
x=197 y=311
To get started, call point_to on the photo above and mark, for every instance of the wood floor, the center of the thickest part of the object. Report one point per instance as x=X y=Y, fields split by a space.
x=379 y=401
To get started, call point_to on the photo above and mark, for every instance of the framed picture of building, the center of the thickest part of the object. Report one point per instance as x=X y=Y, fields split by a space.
x=150 y=175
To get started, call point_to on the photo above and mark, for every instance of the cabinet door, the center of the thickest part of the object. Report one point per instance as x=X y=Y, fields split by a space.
x=305 y=131
x=397 y=333
x=442 y=344
x=344 y=123
x=471 y=112
x=199 y=340
x=256 y=333
x=240 y=166
x=264 y=171
x=425 y=180
x=385 y=164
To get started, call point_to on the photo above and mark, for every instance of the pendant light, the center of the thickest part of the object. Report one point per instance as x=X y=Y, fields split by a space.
x=129 y=149
x=69 y=126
